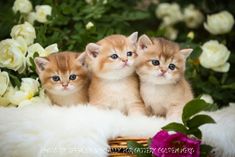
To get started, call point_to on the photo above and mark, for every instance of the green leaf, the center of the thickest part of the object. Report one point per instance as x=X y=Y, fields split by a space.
x=138 y=149
x=199 y=120
x=196 y=52
x=205 y=150
x=15 y=80
x=229 y=86
x=196 y=132
x=175 y=127
x=149 y=141
x=193 y=107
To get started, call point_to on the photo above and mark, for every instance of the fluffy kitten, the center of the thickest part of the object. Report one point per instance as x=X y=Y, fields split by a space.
x=114 y=84
x=64 y=77
x=160 y=67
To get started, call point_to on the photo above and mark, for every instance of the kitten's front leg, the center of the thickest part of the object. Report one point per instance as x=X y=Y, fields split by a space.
x=174 y=112
x=136 y=109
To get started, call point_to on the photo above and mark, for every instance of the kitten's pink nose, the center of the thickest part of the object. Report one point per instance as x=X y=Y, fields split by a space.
x=65 y=85
x=125 y=60
x=163 y=71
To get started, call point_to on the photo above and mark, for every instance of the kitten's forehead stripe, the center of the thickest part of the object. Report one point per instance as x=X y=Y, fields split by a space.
x=167 y=48
x=116 y=42
x=62 y=63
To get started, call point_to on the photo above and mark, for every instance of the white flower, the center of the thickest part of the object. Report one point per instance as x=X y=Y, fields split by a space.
x=89 y=1
x=214 y=56
x=4 y=82
x=42 y=11
x=29 y=85
x=41 y=51
x=89 y=25
x=42 y=99
x=28 y=89
x=105 y=1
x=169 y=13
x=232 y=104
x=170 y=32
x=207 y=98
x=31 y=17
x=23 y=6
x=26 y=31
x=219 y=23
x=192 y=16
x=223 y=68
x=12 y=54
x=191 y=35
x=4 y=101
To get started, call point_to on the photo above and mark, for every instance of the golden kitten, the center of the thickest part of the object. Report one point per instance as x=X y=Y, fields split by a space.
x=114 y=84
x=64 y=77
x=160 y=67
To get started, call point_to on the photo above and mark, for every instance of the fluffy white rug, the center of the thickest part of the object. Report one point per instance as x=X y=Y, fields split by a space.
x=46 y=131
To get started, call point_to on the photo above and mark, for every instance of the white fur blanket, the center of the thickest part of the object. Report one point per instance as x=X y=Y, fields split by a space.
x=46 y=131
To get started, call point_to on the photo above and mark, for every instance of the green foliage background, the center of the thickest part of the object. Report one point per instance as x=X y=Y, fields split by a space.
x=67 y=27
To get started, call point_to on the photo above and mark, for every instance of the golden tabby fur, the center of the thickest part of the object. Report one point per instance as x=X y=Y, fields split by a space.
x=64 y=77
x=114 y=84
x=160 y=67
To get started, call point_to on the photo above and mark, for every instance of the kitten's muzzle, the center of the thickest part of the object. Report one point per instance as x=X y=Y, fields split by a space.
x=65 y=85
x=162 y=72
x=125 y=61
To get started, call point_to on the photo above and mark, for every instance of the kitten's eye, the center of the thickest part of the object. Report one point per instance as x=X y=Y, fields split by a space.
x=56 y=78
x=114 y=56
x=129 y=53
x=171 y=66
x=155 y=62
x=72 y=77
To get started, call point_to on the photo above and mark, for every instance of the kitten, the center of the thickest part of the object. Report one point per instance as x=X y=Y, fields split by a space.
x=114 y=84
x=160 y=67
x=64 y=77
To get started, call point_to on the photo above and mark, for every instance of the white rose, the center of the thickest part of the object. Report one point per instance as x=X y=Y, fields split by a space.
x=223 y=68
x=207 y=98
x=12 y=54
x=29 y=85
x=42 y=99
x=191 y=35
x=31 y=17
x=169 y=13
x=89 y=25
x=28 y=89
x=26 y=31
x=4 y=82
x=41 y=51
x=42 y=11
x=214 y=56
x=15 y=96
x=23 y=6
x=4 y=101
x=219 y=23
x=170 y=32
x=192 y=16
x=232 y=104
x=89 y=1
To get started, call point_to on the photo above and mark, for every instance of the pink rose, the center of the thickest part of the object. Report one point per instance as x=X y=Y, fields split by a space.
x=174 y=145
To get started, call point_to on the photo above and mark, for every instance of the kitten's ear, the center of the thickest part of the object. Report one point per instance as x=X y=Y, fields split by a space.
x=40 y=63
x=133 y=38
x=93 y=50
x=186 y=52
x=81 y=59
x=144 y=41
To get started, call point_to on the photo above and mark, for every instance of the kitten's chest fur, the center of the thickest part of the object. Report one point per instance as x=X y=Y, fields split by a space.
x=119 y=94
x=159 y=98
